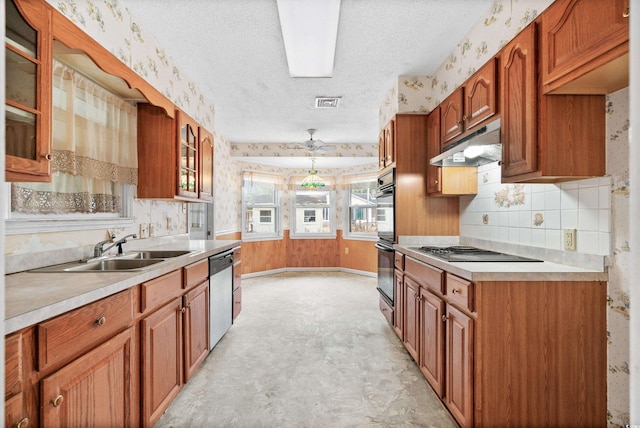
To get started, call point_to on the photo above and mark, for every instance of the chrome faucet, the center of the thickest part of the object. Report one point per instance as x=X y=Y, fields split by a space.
x=99 y=249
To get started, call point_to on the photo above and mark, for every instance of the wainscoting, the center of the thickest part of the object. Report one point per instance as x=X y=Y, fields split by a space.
x=261 y=256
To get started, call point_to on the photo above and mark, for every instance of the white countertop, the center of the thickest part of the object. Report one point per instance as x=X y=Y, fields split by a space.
x=34 y=297
x=508 y=271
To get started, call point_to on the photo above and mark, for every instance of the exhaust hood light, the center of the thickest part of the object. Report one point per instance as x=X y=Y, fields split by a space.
x=473 y=151
x=310 y=30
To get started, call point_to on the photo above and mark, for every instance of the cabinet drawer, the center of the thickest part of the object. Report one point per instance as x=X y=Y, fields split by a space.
x=386 y=310
x=160 y=290
x=424 y=274
x=195 y=273
x=460 y=292
x=237 y=254
x=77 y=331
x=399 y=261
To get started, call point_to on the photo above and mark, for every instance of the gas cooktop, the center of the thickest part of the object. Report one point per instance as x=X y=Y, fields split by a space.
x=471 y=254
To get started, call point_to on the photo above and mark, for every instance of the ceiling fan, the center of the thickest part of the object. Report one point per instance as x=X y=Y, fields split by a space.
x=314 y=146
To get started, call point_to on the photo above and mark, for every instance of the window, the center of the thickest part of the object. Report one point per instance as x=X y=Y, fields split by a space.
x=362 y=214
x=94 y=162
x=260 y=205
x=266 y=216
x=312 y=213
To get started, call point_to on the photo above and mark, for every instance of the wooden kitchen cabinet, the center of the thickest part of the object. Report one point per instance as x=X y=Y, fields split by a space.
x=162 y=360
x=206 y=165
x=584 y=46
x=398 y=303
x=449 y=181
x=169 y=156
x=21 y=392
x=386 y=146
x=518 y=88
x=95 y=389
x=431 y=360
x=545 y=137
x=470 y=106
x=451 y=117
x=410 y=137
x=237 y=282
x=411 y=317
x=196 y=328
x=459 y=365
x=479 y=347
x=28 y=104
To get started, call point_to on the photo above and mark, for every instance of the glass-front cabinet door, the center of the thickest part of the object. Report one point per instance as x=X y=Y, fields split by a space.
x=28 y=47
x=188 y=180
x=206 y=165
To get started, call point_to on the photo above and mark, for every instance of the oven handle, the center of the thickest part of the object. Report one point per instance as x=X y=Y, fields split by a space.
x=383 y=248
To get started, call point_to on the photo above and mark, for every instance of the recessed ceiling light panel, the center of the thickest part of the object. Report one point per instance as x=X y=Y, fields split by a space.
x=327 y=102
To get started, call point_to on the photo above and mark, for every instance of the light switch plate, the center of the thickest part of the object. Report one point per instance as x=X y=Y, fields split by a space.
x=569 y=236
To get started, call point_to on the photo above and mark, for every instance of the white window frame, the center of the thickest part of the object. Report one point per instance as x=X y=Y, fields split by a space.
x=295 y=234
x=276 y=218
x=20 y=224
x=346 y=233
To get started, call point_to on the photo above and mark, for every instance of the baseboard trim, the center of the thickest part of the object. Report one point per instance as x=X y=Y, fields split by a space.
x=309 y=269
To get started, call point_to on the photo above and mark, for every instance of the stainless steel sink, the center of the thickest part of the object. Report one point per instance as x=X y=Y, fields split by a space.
x=156 y=254
x=107 y=265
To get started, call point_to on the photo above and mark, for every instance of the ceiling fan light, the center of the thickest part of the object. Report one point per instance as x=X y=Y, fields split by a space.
x=309 y=30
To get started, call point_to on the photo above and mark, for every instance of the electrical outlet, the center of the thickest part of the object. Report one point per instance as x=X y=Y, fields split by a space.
x=570 y=239
x=151 y=229
x=346 y=250
x=144 y=230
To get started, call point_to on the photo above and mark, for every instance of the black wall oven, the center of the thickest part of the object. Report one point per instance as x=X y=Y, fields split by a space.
x=385 y=198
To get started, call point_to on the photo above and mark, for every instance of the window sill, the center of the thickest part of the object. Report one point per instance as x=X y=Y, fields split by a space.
x=355 y=237
x=21 y=227
x=254 y=238
x=314 y=236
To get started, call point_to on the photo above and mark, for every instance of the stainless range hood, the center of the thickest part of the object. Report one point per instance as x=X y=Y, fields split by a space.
x=479 y=148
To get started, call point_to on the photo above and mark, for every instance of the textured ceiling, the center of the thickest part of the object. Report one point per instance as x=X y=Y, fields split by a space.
x=233 y=50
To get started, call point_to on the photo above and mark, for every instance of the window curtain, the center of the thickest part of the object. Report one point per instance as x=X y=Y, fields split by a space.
x=252 y=178
x=94 y=150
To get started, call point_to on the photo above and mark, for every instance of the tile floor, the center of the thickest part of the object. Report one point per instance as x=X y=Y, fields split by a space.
x=308 y=350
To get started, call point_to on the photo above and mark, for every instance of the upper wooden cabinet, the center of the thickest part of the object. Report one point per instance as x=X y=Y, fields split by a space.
x=188 y=154
x=518 y=89
x=469 y=106
x=451 y=117
x=584 y=46
x=386 y=146
x=546 y=138
x=169 y=156
x=28 y=56
x=206 y=165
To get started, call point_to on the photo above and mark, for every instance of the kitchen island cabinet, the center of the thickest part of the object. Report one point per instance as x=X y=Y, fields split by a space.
x=510 y=352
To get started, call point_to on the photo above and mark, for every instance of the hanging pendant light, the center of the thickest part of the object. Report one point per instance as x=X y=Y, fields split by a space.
x=312 y=181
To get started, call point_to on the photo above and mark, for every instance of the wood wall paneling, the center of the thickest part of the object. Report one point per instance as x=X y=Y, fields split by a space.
x=233 y=236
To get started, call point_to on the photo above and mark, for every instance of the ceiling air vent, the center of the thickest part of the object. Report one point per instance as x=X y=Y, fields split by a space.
x=327 y=102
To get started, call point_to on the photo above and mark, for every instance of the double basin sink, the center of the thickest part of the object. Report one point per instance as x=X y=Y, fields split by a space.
x=128 y=262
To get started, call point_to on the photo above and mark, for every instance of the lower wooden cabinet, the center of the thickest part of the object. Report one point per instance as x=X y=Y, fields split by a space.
x=161 y=337
x=509 y=353
x=95 y=390
x=410 y=309
x=237 y=283
x=459 y=365
x=196 y=328
x=398 y=302
x=432 y=328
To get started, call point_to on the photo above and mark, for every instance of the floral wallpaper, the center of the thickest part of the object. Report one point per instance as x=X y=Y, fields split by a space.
x=286 y=150
x=227 y=176
x=504 y=20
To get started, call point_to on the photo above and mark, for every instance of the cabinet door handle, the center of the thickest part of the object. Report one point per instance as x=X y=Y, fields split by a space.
x=183 y=310
x=435 y=181
x=47 y=157
x=57 y=401
x=444 y=318
x=454 y=291
x=24 y=423
x=625 y=14
x=101 y=321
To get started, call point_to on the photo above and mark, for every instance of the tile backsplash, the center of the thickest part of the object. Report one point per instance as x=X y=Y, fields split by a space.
x=536 y=214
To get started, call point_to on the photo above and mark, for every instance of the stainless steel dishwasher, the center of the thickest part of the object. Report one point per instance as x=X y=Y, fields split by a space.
x=220 y=296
